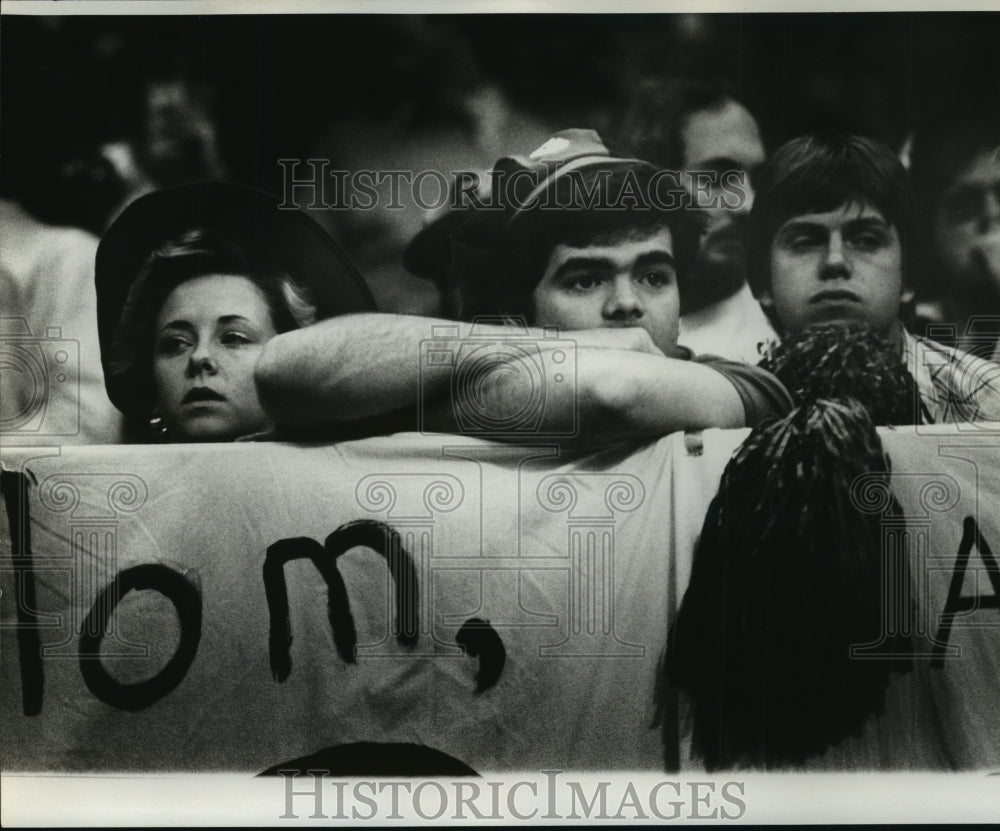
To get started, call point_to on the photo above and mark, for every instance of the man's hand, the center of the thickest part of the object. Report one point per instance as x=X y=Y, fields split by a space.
x=627 y=338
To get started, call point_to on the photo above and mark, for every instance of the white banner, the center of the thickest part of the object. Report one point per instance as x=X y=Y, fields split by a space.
x=470 y=605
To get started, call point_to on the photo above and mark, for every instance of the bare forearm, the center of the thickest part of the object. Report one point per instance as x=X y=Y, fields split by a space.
x=357 y=366
x=341 y=369
x=638 y=396
x=613 y=394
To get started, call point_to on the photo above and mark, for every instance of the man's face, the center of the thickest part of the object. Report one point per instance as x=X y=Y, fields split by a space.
x=842 y=266
x=632 y=282
x=967 y=231
x=720 y=141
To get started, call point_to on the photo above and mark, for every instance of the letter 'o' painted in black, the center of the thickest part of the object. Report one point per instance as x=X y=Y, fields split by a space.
x=187 y=601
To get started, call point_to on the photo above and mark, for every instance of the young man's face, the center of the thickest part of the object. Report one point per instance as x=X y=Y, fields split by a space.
x=631 y=282
x=841 y=266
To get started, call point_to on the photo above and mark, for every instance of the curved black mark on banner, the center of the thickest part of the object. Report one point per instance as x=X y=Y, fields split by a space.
x=374 y=759
x=384 y=540
x=956 y=604
x=374 y=535
x=338 y=608
x=480 y=639
x=187 y=601
x=29 y=645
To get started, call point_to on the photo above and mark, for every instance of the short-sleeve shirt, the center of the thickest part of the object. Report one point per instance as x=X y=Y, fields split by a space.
x=762 y=394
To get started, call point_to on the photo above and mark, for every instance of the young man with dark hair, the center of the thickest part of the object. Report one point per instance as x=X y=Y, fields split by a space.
x=827 y=245
x=571 y=238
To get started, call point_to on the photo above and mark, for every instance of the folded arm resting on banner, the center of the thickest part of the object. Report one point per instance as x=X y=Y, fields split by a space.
x=362 y=365
x=606 y=384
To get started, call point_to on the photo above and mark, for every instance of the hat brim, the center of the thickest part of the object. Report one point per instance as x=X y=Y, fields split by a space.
x=251 y=219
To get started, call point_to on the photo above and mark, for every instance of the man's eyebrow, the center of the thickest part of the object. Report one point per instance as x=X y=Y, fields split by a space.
x=653 y=258
x=863 y=222
x=583 y=263
x=794 y=226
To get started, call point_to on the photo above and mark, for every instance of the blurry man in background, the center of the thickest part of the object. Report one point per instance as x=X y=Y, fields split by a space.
x=955 y=170
x=699 y=127
x=428 y=113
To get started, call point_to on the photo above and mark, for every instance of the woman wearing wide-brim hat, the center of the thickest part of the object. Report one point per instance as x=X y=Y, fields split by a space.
x=191 y=282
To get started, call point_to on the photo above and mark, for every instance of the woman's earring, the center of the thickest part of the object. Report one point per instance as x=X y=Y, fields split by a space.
x=157 y=427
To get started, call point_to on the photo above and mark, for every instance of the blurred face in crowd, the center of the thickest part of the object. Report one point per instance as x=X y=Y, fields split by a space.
x=840 y=266
x=722 y=140
x=209 y=333
x=628 y=282
x=389 y=215
x=967 y=230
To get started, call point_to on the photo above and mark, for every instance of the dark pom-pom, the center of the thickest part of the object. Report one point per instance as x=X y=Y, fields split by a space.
x=837 y=362
x=787 y=577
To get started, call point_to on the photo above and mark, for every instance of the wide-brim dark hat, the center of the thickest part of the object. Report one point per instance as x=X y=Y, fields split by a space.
x=249 y=218
x=464 y=231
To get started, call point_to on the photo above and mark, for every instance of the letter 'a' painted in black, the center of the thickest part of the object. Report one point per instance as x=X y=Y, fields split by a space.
x=957 y=604
x=187 y=601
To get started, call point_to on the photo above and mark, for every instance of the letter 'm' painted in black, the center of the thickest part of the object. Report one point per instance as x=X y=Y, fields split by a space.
x=374 y=535
x=29 y=645
x=956 y=603
x=384 y=540
x=338 y=609
x=187 y=601
x=480 y=639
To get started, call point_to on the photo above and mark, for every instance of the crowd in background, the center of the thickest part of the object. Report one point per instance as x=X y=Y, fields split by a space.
x=97 y=111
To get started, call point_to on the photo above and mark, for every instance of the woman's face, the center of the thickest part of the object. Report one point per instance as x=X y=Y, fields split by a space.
x=209 y=334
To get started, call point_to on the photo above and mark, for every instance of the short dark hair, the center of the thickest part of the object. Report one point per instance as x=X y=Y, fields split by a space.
x=820 y=172
x=195 y=253
x=498 y=263
x=654 y=122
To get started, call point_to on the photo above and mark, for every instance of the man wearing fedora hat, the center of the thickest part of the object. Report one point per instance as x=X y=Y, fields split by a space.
x=583 y=247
